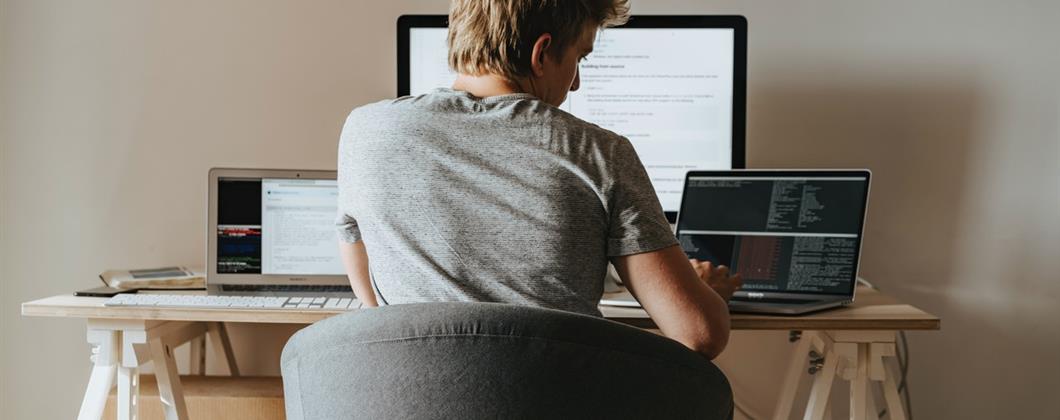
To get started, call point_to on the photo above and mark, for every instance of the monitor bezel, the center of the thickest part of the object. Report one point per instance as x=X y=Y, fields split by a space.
x=793 y=173
x=738 y=23
x=215 y=278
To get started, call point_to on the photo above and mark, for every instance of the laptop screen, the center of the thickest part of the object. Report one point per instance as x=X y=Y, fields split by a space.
x=277 y=226
x=788 y=234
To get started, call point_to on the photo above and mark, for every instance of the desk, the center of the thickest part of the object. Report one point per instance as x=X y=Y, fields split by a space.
x=855 y=343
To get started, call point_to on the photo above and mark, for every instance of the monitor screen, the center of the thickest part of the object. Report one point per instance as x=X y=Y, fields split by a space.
x=674 y=86
x=277 y=227
x=791 y=234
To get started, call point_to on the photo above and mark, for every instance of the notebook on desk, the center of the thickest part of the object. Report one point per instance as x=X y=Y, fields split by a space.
x=793 y=235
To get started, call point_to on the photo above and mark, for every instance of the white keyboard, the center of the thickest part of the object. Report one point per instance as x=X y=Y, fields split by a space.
x=234 y=302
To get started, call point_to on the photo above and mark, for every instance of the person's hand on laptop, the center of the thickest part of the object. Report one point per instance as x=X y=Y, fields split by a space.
x=717 y=277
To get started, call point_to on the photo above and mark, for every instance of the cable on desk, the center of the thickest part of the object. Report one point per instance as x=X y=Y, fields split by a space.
x=866 y=282
x=904 y=386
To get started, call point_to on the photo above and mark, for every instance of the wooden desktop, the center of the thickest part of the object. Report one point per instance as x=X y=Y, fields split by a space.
x=855 y=343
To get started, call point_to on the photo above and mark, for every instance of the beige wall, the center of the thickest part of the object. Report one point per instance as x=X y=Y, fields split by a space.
x=112 y=111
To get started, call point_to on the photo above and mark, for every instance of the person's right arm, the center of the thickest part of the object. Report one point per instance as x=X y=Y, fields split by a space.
x=352 y=251
x=682 y=304
x=355 y=261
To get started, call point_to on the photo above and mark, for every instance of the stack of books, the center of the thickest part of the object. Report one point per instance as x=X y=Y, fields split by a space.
x=155 y=278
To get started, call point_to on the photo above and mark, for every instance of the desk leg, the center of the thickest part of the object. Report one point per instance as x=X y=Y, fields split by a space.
x=870 y=403
x=105 y=363
x=170 y=389
x=796 y=368
x=155 y=341
x=895 y=409
x=822 y=388
x=128 y=393
x=219 y=341
x=859 y=385
x=861 y=358
x=129 y=377
x=197 y=356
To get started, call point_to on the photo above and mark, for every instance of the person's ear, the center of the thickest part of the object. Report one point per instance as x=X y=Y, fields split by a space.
x=537 y=57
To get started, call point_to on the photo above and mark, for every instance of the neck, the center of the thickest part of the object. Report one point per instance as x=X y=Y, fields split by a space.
x=486 y=85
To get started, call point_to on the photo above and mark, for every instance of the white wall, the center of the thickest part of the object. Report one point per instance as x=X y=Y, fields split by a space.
x=112 y=111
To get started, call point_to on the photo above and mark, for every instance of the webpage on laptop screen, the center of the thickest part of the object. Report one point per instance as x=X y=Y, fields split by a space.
x=277 y=226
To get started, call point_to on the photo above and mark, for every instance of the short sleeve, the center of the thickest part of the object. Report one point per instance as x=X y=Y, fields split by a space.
x=345 y=223
x=347 y=228
x=637 y=222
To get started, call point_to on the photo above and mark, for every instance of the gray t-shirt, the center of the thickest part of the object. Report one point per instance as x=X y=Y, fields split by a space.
x=499 y=199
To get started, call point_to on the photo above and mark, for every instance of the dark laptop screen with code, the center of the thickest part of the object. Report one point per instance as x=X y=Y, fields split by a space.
x=790 y=234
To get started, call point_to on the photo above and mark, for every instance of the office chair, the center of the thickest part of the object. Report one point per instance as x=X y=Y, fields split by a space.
x=493 y=361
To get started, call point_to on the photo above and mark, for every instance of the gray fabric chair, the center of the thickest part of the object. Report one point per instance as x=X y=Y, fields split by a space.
x=493 y=361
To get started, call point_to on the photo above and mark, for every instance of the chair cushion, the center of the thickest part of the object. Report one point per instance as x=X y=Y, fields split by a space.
x=490 y=360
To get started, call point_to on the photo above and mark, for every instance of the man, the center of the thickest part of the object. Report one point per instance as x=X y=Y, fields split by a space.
x=488 y=192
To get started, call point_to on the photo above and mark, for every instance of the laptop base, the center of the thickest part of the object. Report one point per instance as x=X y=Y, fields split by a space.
x=752 y=307
x=280 y=290
x=743 y=306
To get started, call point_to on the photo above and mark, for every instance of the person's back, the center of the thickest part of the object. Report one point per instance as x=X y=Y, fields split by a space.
x=499 y=199
x=488 y=192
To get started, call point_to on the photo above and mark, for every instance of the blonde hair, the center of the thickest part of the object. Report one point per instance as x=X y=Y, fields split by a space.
x=497 y=36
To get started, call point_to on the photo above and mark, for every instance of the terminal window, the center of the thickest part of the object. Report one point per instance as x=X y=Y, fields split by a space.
x=779 y=234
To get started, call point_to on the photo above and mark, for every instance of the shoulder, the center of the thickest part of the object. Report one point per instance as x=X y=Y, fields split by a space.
x=380 y=109
x=383 y=117
x=410 y=109
x=586 y=136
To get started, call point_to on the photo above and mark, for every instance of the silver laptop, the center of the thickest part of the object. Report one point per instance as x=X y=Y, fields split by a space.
x=793 y=235
x=272 y=232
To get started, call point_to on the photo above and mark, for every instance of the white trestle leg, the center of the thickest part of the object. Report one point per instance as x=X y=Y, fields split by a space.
x=105 y=364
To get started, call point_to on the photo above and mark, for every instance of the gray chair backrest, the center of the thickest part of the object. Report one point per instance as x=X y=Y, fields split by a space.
x=493 y=361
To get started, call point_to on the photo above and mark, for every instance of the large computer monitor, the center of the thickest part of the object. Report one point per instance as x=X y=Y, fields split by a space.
x=675 y=86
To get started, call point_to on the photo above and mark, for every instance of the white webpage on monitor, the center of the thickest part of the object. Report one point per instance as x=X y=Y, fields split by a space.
x=668 y=90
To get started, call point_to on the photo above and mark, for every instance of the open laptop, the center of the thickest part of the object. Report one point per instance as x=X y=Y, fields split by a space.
x=271 y=232
x=793 y=235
